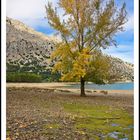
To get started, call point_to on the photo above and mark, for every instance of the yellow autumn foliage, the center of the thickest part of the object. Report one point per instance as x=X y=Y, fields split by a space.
x=85 y=29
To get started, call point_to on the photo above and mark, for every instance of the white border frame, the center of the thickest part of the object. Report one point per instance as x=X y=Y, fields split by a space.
x=136 y=70
x=3 y=71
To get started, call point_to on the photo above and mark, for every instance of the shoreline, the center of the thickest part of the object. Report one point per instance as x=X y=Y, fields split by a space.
x=57 y=83
x=60 y=87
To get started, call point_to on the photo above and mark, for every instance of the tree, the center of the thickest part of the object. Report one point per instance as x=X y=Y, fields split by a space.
x=88 y=27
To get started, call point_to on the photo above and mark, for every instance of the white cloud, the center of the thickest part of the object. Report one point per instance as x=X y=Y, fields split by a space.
x=120 y=48
x=127 y=57
x=25 y=8
x=31 y=12
x=128 y=26
x=124 y=52
x=130 y=23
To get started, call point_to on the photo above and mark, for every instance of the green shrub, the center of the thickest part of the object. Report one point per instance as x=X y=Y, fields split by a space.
x=23 y=77
x=12 y=67
x=48 y=76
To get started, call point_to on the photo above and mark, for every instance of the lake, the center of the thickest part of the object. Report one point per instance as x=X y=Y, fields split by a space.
x=115 y=86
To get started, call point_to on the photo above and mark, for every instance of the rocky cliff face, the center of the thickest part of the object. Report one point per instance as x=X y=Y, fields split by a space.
x=120 y=70
x=26 y=46
x=28 y=50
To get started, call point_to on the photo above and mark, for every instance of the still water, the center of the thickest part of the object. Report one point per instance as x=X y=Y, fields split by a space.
x=115 y=86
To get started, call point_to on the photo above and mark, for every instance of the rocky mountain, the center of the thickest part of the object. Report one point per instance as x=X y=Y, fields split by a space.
x=29 y=50
x=120 y=70
x=26 y=47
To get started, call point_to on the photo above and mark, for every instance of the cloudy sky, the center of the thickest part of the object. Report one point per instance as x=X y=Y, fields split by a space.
x=32 y=13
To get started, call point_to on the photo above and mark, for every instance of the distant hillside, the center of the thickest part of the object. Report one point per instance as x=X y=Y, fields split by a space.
x=27 y=47
x=120 y=70
x=29 y=50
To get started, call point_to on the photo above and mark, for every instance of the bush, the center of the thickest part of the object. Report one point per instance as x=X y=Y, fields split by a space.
x=23 y=77
x=12 y=67
x=48 y=76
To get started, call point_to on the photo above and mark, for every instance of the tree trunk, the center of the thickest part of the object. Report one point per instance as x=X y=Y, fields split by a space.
x=82 y=87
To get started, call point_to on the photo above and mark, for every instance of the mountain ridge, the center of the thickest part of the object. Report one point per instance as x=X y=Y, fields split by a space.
x=30 y=50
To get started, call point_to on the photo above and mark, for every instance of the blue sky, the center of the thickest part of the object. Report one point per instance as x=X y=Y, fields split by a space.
x=32 y=13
